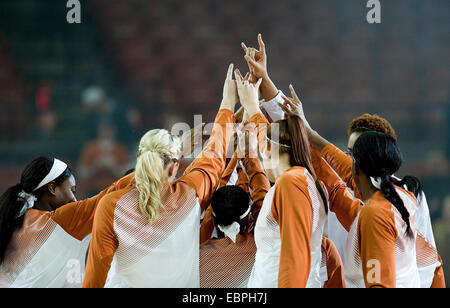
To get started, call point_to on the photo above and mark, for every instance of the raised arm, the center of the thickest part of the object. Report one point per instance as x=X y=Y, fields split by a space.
x=204 y=172
x=248 y=95
x=257 y=63
x=207 y=225
x=337 y=159
x=342 y=164
x=341 y=202
x=257 y=179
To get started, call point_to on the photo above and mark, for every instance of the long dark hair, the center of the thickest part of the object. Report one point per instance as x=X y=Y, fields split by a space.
x=377 y=155
x=293 y=135
x=11 y=204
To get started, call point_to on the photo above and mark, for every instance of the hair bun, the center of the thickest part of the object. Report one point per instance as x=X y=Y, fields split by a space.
x=19 y=186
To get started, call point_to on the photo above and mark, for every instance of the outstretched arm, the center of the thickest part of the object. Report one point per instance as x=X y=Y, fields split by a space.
x=77 y=218
x=257 y=63
x=204 y=172
x=257 y=179
x=337 y=159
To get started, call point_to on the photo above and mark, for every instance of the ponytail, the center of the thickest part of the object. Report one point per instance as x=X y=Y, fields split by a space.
x=12 y=201
x=301 y=154
x=149 y=182
x=390 y=193
x=157 y=149
x=10 y=206
x=412 y=184
x=378 y=156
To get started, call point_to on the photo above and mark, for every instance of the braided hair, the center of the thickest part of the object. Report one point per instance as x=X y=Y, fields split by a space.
x=377 y=155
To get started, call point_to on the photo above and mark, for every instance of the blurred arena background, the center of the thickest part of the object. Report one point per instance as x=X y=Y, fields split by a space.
x=86 y=92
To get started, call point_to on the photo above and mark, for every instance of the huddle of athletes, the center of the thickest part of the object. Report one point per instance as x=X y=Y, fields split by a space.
x=255 y=219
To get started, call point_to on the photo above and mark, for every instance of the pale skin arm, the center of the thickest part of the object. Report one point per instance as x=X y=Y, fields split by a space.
x=248 y=94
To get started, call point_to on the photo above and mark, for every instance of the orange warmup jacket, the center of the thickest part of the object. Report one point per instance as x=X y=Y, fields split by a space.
x=224 y=264
x=342 y=164
x=378 y=231
x=121 y=230
x=333 y=263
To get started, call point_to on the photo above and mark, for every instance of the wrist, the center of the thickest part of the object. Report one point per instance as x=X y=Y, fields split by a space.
x=252 y=110
x=227 y=104
x=268 y=89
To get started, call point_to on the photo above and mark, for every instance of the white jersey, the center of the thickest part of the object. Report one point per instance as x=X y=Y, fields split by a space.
x=268 y=242
x=406 y=269
x=43 y=255
x=164 y=254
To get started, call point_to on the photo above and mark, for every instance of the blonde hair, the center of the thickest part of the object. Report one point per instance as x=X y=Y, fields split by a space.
x=157 y=149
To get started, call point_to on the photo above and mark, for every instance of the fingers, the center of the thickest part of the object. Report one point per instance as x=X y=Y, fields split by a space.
x=247 y=76
x=258 y=83
x=285 y=109
x=230 y=72
x=289 y=101
x=252 y=52
x=294 y=95
x=250 y=61
x=238 y=76
x=262 y=46
x=244 y=47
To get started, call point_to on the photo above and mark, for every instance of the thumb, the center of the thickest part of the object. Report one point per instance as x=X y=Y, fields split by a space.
x=250 y=61
x=258 y=83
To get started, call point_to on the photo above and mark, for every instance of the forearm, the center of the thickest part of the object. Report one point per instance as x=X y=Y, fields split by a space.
x=316 y=140
x=258 y=182
x=77 y=218
x=227 y=104
x=341 y=163
x=259 y=185
x=341 y=202
x=268 y=88
x=204 y=172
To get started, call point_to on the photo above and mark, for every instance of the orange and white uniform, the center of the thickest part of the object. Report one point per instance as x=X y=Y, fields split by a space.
x=224 y=264
x=49 y=249
x=378 y=253
x=332 y=268
x=255 y=184
x=428 y=260
x=232 y=175
x=288 y=234
x=164 y=253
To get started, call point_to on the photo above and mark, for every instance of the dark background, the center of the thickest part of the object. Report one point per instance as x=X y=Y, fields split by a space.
x=135 y=65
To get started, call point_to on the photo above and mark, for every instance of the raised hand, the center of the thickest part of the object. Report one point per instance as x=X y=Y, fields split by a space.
x=257 y=63
x=293 y=106
x=256 y=60
x=230 y=95
x=248 y=94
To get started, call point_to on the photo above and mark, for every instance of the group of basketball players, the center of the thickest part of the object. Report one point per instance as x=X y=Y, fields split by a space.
x=256 y=219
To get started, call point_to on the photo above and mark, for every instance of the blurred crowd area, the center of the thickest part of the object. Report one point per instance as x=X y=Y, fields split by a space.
x=87 y=92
